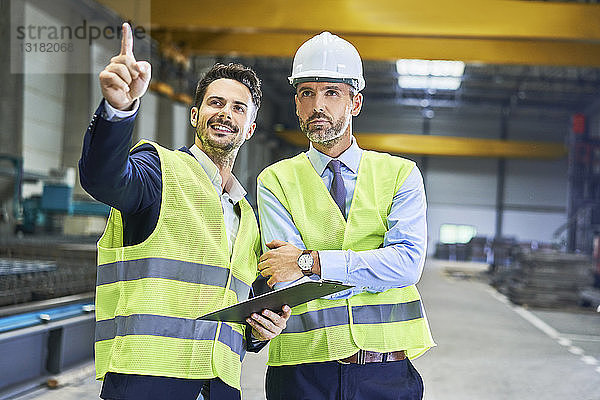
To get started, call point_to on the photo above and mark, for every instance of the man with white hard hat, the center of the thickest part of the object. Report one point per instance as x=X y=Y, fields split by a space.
x=341 y=213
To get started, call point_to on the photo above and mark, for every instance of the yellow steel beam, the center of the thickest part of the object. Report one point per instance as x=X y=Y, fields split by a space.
x=491 y=31
x=489 y=51
x=433 y=145
x=136 y=11
x=433 y=18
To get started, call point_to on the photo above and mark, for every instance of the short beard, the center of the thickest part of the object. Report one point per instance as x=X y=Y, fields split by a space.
x=221 y=155
x=328 y=137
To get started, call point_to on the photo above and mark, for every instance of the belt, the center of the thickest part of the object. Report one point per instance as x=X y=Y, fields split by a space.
x=366 y=357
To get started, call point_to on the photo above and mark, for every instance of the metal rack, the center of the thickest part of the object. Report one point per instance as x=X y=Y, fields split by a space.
x=40 y=270
x=584 y=187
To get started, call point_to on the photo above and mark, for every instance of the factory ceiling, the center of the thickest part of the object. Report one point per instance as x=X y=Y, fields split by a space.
x=532 y=56
x=543 y=54
x=493 y=31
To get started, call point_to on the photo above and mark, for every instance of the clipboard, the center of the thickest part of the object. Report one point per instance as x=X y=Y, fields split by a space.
x=292 y=296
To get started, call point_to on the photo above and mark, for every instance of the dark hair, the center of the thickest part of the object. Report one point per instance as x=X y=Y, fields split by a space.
x=237 y=72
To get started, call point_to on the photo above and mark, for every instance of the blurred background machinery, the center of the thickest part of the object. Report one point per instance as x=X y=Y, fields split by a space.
x=46 y=308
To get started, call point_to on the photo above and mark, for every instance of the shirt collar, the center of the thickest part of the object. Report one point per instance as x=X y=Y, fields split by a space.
x=350 y=158
x=233 y=187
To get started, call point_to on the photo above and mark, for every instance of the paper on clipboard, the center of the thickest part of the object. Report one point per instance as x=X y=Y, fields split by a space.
x=292 y=295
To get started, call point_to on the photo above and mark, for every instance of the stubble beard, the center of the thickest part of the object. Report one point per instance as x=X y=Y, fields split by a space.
x=223 y=154
x=328 y=137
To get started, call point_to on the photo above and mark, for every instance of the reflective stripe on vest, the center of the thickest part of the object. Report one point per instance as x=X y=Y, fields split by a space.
x=179 y=328
x=170 y=269
x=371 y=314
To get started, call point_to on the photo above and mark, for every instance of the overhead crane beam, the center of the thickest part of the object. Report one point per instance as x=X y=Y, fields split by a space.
x=435 y=145
x=433 y=18
x=488 y=51
x=492 y=31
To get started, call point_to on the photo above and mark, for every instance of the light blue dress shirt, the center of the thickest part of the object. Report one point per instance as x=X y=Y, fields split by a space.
x=398 y=263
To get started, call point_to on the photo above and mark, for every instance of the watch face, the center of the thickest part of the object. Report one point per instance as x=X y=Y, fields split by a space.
x=305 y=262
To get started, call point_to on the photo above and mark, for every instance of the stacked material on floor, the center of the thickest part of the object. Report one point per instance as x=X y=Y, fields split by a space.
x=504 y=250
x=452 y=252
x=19 y=279
x=33 y=270
x=590 y=297
x=479 y=249
x=547 y=279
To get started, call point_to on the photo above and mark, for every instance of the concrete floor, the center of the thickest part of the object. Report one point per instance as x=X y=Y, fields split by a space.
x=487 y=348
x=491 y=349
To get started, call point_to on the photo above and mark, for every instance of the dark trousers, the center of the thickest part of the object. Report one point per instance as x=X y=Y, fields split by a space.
x=397 y=380
x=142 y=387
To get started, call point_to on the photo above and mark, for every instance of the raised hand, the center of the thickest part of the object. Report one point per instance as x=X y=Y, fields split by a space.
x=125 y=79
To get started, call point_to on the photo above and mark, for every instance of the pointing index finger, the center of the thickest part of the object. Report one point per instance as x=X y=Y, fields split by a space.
x=126 y=40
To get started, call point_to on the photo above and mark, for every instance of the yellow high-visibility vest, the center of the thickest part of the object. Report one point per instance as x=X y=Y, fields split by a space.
x=325 y=330
x=149 y=295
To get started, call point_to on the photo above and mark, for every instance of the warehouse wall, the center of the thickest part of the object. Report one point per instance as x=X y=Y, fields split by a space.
x=57 y=107
x=43 y=109
x=536 y=191
x=463 y=190
x=593 y=112
x=43 y=121
x=262 y=149
x=182 y=129
x=11 y=117
x=101 y=56
x=146 y=124
x=535 y=198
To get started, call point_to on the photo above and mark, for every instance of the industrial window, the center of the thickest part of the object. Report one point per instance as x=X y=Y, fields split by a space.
x=452 y=234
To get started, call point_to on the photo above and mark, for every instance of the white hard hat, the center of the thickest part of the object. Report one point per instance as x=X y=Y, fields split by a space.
x=327 y=58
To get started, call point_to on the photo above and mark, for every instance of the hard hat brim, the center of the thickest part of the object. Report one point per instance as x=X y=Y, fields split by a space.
x=350 y=81
x=318 y=76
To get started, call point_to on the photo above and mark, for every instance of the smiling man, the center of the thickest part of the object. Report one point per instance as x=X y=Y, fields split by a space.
x=342 y=213
x=171 y=250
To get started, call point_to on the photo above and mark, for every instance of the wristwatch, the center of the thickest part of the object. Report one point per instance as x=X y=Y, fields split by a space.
x=305 y=262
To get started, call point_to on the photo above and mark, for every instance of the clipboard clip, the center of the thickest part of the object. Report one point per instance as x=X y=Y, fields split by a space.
x=323 y=281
